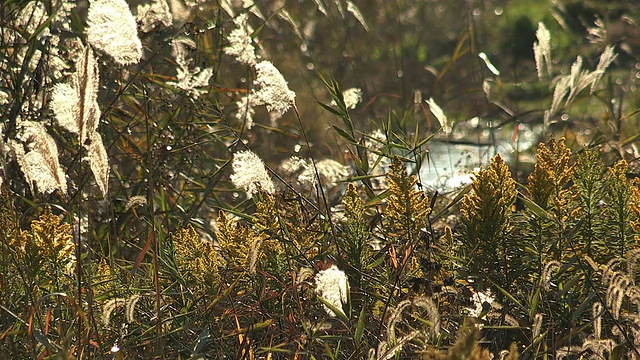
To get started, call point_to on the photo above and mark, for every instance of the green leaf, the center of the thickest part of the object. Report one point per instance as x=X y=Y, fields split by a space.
x=345 y=135
x=536 y=209
x=329 y=109
x=335 y=309
x=360 y=327
x=616 y=354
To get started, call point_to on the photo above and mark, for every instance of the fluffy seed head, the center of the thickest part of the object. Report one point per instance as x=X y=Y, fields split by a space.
x=273 y=89
x=240 y=42
x=332 y=284
x=250 y=174
x=112 y=29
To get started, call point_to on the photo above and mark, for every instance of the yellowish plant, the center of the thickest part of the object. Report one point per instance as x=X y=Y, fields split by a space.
x=407 y=211
x=551 y=174
x=197 y=260
x=406 y=219
x=266 y=232
x=235 y=241
x=51 y=238
x=550 y=188
x=486 y=218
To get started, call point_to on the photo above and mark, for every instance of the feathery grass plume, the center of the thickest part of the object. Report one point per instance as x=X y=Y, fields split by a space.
x=579 y=79
x=26 y=24
x=617 y=285
x=542 y=50
x=431 y=312
x=286 y=16
x=321 y=7
x=151 y=15
x=597 y=34
x=355 y=11
x=633 y=297
x=439 y=114
x=250 y=173
x=537 y=325
x=245 y=111
x=111 y=28
x=240 y=41
x=600 y=348
x=486 y=219
x=253 y=8
x=76 y=108
x=130 y=307
x=632 y=260
x=561 y=89
x=188 y=80
x=40 y=164
x=332 y=285
x=128 y=303
x=135 y=201
x=352 y=97
x=606 y=58
x=589 y=181
x=550 y=268
x=109 y=307
x=384 y=352
x=596 y=316
x=225 y=5
x=393 y=344
x=154 y=14
x=99 y=162
x=273 y=90
x=619 y=212
x=75 y=103
x=196 y=260
x=567 y=87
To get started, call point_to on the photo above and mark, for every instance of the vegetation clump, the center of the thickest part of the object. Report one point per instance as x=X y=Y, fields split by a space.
x=189 y=189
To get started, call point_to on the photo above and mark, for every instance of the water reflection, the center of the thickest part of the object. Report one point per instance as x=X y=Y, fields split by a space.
x=450 y=162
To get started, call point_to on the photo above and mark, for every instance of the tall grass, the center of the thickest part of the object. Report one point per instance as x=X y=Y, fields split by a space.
x=217 y=181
